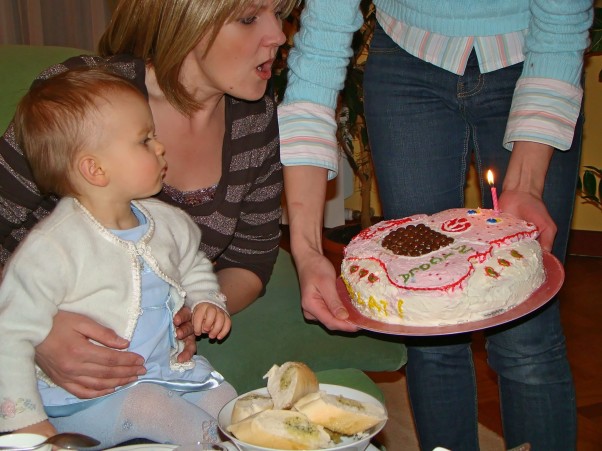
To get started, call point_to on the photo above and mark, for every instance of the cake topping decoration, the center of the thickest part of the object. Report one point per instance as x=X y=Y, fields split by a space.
x=415 y=240
x=456 y=225
x=516 y=254
x=491 y=272
x=493 y=220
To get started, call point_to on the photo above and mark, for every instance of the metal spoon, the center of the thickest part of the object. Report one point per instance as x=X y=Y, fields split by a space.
x=66 y=440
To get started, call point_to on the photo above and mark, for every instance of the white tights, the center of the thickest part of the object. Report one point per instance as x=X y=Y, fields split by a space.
x=152 y=412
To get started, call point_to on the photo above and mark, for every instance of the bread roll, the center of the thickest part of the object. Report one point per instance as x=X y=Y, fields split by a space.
x=290 y=382
x=339 y=413
x=250 y=405
x=280 y=429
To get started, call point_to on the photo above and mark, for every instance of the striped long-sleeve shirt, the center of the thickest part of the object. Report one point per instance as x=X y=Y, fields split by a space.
x=238 y=218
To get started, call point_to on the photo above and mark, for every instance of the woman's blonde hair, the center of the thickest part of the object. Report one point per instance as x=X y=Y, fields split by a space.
x=54 y=121
x=163 y=32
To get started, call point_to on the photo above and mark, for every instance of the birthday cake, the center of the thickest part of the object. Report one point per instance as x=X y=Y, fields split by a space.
x=453 y=267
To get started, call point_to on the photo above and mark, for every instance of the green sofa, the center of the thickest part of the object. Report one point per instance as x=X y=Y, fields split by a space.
x=272 y=330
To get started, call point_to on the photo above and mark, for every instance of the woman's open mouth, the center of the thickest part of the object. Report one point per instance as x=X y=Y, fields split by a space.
x=264 y=70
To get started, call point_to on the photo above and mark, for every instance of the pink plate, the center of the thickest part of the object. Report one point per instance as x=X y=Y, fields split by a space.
x=554 y=280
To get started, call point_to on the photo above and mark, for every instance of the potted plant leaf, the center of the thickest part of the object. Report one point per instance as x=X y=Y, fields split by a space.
x=589 y=187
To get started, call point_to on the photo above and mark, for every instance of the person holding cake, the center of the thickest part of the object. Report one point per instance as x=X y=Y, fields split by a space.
x=447 y=83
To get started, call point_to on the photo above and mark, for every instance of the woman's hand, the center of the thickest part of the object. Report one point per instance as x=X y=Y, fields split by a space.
x=185 y=331
x=523 y=188
x=532 y=209
x=82 y=368
x=319 y=297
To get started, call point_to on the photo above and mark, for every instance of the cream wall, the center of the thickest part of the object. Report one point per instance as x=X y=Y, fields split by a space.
x=587 y=216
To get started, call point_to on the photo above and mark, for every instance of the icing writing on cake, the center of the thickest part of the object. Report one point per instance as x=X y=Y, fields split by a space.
x=462 y=249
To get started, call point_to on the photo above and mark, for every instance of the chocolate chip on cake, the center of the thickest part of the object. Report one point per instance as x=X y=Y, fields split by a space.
x=415 y=240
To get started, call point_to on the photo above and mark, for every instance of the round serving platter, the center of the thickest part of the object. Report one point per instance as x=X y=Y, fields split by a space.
x=554 y=280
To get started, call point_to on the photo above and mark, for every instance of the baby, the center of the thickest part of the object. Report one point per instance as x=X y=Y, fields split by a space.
x=112 y=253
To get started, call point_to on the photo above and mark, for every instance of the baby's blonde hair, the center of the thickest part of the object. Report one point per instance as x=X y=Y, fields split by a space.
x=164 y=32
x=54 y=121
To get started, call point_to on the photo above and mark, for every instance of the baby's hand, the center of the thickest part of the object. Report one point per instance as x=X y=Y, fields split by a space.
x=211 y=320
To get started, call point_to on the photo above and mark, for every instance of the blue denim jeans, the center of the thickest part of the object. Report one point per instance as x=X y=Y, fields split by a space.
x=425 y=126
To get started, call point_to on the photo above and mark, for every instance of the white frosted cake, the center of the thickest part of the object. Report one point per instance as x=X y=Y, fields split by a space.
x=453 y=267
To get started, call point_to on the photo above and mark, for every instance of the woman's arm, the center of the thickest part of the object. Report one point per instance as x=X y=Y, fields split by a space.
x=547 y=98
x=318 y=61
x=305 y=188
x=545 y=106
x=22 y=204
x=240 y=286
x=318 y=65
x=254 y=206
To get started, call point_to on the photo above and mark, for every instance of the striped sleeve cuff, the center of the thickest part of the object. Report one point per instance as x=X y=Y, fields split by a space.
x=308 y=136
x=544 y=111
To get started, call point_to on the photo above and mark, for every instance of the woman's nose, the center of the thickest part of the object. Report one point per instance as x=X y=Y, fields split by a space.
x=281 y=38
x=276 y=35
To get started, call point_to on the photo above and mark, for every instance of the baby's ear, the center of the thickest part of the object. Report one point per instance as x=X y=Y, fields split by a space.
x=90 y=169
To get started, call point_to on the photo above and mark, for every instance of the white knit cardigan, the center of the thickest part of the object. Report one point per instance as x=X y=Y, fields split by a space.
x=71 y=262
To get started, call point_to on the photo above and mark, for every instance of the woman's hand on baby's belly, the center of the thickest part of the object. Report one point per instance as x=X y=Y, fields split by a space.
x=83 y=368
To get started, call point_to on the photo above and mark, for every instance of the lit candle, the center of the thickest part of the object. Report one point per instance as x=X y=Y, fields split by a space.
x=493 y=191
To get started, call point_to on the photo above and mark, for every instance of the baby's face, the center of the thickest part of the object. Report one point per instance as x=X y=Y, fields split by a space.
x=128 y=150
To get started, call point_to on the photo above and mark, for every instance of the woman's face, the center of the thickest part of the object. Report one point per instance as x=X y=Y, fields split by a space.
x=240 y=60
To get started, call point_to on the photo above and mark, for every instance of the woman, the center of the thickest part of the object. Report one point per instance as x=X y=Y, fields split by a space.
x=446 y=82
x=204 y=67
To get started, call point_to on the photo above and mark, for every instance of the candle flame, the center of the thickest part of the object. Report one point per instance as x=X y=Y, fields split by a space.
x=490 y=177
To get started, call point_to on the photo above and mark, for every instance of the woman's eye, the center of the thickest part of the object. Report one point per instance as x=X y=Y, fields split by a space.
x=248 y=20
